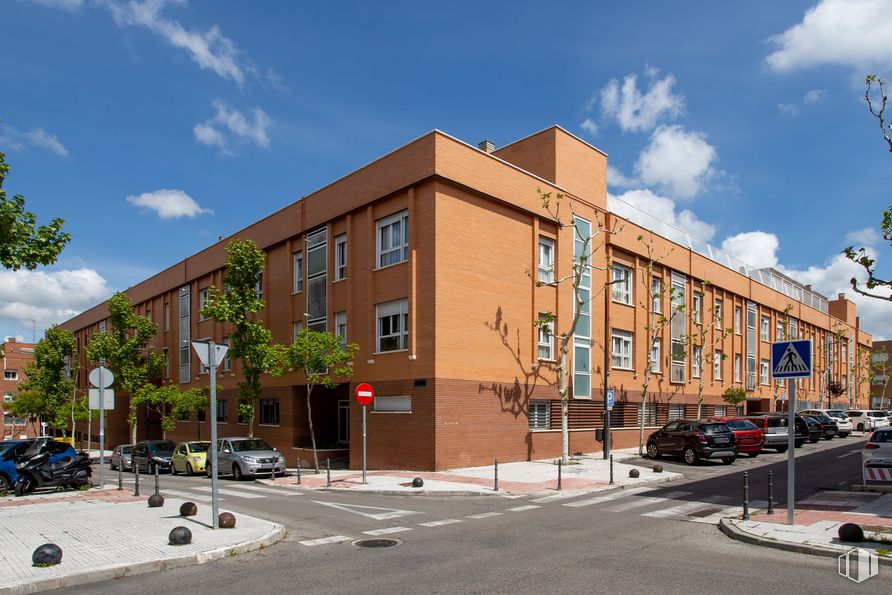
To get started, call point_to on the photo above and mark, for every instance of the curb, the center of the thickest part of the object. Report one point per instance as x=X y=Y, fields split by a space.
x=734 y=532
x=105 y=573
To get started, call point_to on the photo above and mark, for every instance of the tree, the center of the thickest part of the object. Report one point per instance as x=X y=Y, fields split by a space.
x=734 y=395
x=251 y=341
x=580 y=278
x=324 y=358
x=705 y=338
x=125 y=349
x=48 y=392
x=169 y=402
x=22 y=243
x=861 y=256
x=835 y=389
x=862 y=370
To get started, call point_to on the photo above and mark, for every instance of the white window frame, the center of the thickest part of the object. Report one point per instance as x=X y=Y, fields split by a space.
x=385 y=243
x=696 y=358
x=340 y=257
x=764 y=375
x=227 y=360
x=738 y=314
x=341 y=327
x=11 y=374
x=204 y=298
x=717 y=365
x=675 y=411
x=655 y=357
x=539 y=415
x=717 y=311
x=397 y=311
x=622 y=284
x=738 y=364
x=545 y=340
x=298 y=283
x=764 y=328
x=779 y=331
x=656 y=291
x=296 y=327
x=621 y=359
x=697 y=307
x=546 y=260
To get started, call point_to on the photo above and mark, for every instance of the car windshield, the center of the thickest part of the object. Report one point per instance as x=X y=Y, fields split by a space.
x=876 y=414
x=251 y=444
x=167 y=446
x=837 y=414
x=741 y=424
x=714 y=428
x=777 y=422
x=125 y=450
x=199 y=446
x=882 y=437
x=5 y=447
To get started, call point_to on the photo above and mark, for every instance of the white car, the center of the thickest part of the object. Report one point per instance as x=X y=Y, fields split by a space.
x=843 y=421
x=869 y=420
x=876 y=457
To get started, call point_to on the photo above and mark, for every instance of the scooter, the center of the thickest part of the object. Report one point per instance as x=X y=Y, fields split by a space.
x=38 y=472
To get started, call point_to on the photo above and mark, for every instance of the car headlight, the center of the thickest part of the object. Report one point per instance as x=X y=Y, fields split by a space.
x=280 y=459
x=248 y=459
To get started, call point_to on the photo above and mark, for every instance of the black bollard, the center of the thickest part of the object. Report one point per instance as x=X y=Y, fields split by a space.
x=611 y=469
x=298 y=470
x=328 y=473
x=135 y=479
x=156 y=479
x=495 y=486
x=770 y=493
x=121 y=477
x=746 y=496
x=560 y=466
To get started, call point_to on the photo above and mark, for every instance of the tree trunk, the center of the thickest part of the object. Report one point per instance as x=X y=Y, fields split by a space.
x=312 y=433
x=564 y=393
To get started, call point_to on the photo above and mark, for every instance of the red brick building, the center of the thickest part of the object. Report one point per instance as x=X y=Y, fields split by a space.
x=427 y=258
x=16 y=355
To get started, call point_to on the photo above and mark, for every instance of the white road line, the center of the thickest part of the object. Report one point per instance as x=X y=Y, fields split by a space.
x=484 y=515
x=564 y=496
x=680 y=509
x=848 y=454
x=612 y=495
x=266 y=490
x=228 y=492
x=325 y=540
x=388 y=531
x=187 y=495
x=524 y=508
x=512 y=496
x=648 y=500
x=440 y=523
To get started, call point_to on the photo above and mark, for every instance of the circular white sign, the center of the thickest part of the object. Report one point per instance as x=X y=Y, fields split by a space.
x=101 y=377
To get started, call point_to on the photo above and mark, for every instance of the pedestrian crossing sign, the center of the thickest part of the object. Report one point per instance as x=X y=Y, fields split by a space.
x=791 y=359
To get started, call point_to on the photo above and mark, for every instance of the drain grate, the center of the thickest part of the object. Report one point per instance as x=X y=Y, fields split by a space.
x=376 y=543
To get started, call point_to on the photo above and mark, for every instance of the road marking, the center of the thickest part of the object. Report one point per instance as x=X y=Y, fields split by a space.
x=188 y=495
x=325 y=540
x=388 y=513
x=524 y=508
x=681 y=509
x=848 y=454
x=277 y=491
x=228 y=492
x=388 y=531
x=613 y=495
x=564 y=496
x=441 y=523
x=647 y=500
x=512 y=496
x=484 y=515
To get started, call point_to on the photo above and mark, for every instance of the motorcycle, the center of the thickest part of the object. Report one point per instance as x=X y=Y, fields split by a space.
x=38 y=472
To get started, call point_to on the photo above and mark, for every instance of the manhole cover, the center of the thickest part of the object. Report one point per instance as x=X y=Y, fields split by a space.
x=376 y=543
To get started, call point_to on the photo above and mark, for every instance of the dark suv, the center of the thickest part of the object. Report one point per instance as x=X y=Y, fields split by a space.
x=694 y=439
x=149 y=455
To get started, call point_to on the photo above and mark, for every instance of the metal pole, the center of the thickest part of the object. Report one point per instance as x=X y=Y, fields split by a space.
x=791 y=449
x=495 y=486
x=606 y=368
x=746 y=496
x=136 y=476
x=298 y=470
x=770 y=492
x=560 y=465
x=328 y=473
x=363 y=444
x=102 y=371
x=611 y=469
x=215 y=472
x=156 y=479
x=121 y=476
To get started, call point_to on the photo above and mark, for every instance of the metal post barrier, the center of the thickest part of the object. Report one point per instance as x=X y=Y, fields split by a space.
x=495 y=486
x=136 y=479
x=770 y=492
x=328 y=473
x=611 y=469
x=746 y=496
x=121 y=477
x=560 y=466
x=298 y=470
x=156 y=479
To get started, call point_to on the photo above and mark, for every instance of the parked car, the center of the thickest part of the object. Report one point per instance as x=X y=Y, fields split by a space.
x=747 y=435
x=828 y=424
x=877 y=453
x=774 y=430
x=10 y=451
x=120 y=458
x=807 y=428
x=843 y=421
x=189 y=457
x=694 y=439
x=149 y=455
x=245 y=457
x=868 y=420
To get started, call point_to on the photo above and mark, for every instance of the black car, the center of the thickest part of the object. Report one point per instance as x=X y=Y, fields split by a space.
x=694 y=439
x=149 y=455
x=807 y=429
x=828 y=425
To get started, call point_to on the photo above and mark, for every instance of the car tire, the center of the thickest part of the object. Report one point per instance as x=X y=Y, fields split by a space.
x=753 y=455
x=690 y=456
x=173 y=468
x=799 y=443
x=189 y=470
x=860 y=427
x=4 y=484
x=237 y=474
x=728 y=460
x=814 y=440
x=151 y=468
x=207 y=470
x=781 y=449
x=844 y=435
x=828 y=437
x=652 y=451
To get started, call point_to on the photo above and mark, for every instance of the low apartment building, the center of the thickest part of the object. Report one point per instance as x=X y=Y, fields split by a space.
x=16 y=356
x=437 y=259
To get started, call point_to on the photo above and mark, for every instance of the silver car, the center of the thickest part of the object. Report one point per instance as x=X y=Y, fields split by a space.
x=246 y=457
x=120 y=458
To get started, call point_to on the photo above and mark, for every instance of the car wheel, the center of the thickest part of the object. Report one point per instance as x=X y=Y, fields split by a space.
x=729 y=460
x=189 y=470
x=844 y=435
x=830 y=437
x=652 y=451
x=173 y=468
x=813 y=440
x=151 y=468
x=4 y=484
x=237 y=472
x=781 y=449
x=799 y=443
x=860 y=427
x=753 y=455
x=690 y=456
x=111 y=465
x=207 y=470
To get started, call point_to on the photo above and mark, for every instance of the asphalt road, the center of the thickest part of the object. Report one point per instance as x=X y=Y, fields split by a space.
x=658 y=539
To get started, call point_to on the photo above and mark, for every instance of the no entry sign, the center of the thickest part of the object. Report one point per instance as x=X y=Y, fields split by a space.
x=365 y=394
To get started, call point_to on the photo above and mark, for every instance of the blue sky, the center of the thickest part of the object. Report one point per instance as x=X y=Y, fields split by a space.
x=155 y=127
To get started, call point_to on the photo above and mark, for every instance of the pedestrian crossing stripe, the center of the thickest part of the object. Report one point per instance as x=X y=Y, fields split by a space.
x=791 y=359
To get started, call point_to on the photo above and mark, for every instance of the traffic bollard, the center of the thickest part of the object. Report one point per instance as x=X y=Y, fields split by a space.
x=611 y=469
x=746 y=496
x=121 y=477
x=136 y=479
x=156 y=479
x=560 y=466
x=770 y=492
x=495 y=486
x=328 y=473
x=298 y=471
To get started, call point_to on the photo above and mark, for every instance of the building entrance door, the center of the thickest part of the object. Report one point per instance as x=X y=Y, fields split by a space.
x=344 y=421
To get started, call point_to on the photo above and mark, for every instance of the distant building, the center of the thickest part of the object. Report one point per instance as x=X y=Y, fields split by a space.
x=880 y=387
x=428 y=258
x=16 y=355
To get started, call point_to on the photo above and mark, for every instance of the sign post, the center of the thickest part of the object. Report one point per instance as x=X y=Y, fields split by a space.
x=791 y=360
x=210 y=355
x=365 y=394
x=101 y=378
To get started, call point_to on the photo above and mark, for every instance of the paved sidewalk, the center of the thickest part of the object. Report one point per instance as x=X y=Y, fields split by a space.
x=107 y=534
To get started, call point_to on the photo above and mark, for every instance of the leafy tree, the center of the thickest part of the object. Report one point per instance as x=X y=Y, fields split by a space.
x=22 y=243
x=125 y=349
x=708 y=333
x=169 y=402
x=251 y=341
x=28 y=405
x=875 y=97
x=734 y=395
x=835 y=389
x=324 y=358
x=48 y=392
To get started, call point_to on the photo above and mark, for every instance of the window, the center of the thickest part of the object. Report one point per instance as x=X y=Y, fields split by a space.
x=779 y=331
x=10 y=374
x=622 y=284
x=718 y=312
x=393 y=326
x=297 y=327
x=622 y=350
x=166 y=317
x=393 y=239
x=676 y=411
x=697 y=307
x=721 y=410
x=269 y=412
x=845 y=355
x=677 y=327
x=227 y=361
x=546 y=260
x=165 y=354
x=201 y=415
x=341 y=257
x=717 y=366
x=546 y=338
x=540 y=415
x=258 y=287
x=341 y=327
x=737 y=362
x=298 y=271
x=184 y=416
x=737 y=315
x=222 y=413
x=185 y=331
x=650 y=414
x=764 y=329
x=656 y=291
x=763 y=371
x=582 y=337
x=397 y=404
x=655 y=363
x=102 y=326
x=794 y=332
x=204 y=298
x=750 y=346
x=696 y=361
x=203 y=369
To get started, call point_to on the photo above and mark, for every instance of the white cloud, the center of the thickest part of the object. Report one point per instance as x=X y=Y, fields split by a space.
x=636 y=111
x=657 y=211
x=618 y=179
x=677 y=161
x=788 y=109
x=811 y=97
x=251 y=128
x=864 y=237
x=71 y=5
x=168 y=204
x=755 y=248
x=853 y=33
x=49 y=297
x=589 y=126
x=14 y=140
x=814 y=96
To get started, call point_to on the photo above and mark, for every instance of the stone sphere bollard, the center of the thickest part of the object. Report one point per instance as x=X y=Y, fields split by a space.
x=156 y=501
x=851 y=532
x=48 y=554
x=417 y=482
x=188 y=509
x=227 y=520
x=658 y=468
x=633 y=473
x=179 y=536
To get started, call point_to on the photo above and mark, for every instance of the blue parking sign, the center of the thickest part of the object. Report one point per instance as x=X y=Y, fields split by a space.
x=610 y=400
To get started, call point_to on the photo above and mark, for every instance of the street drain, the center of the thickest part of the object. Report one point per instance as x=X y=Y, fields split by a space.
x=376 y=543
